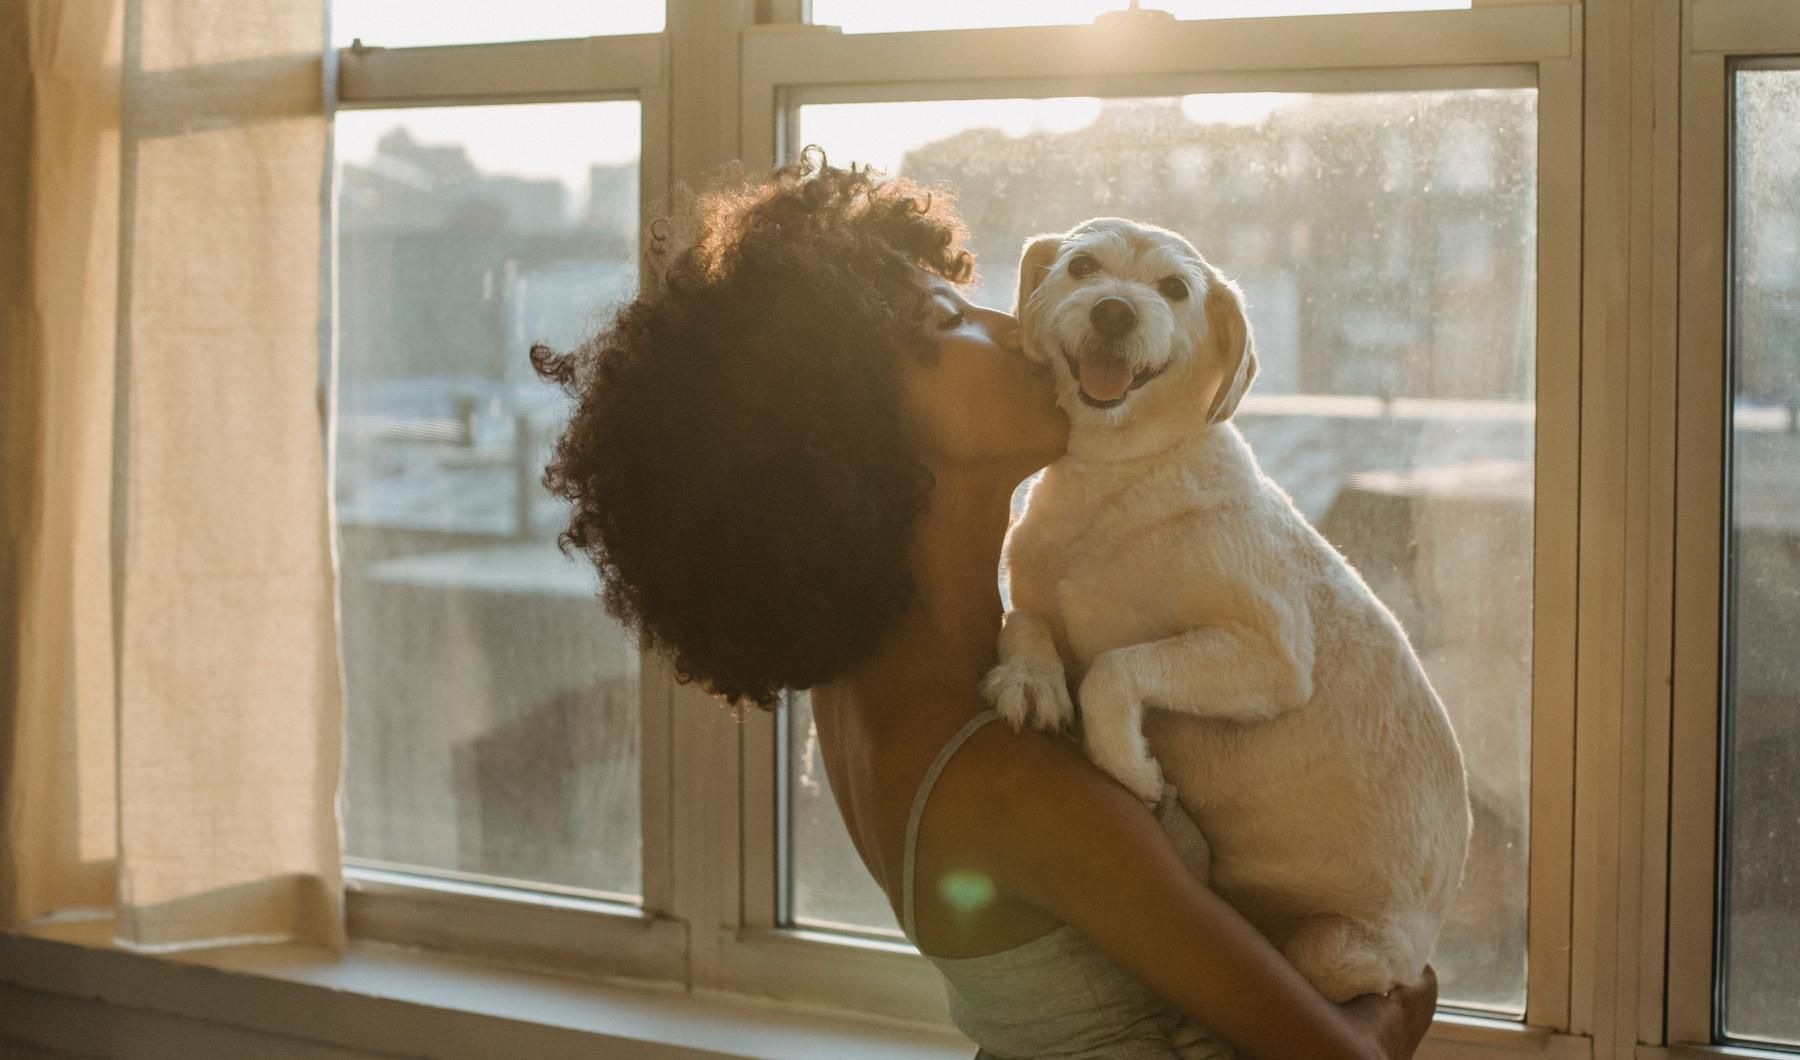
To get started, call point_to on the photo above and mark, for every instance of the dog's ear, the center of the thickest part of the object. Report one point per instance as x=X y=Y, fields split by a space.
x=1034 y=262
x=1229 y=328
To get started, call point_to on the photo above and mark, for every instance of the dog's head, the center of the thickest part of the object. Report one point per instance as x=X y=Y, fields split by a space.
x=1136 y=323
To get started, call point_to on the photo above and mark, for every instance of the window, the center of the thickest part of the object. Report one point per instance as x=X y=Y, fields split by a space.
x=1734 y=923
x=493 y=707
x=1760 y=801
x=1449 y=389
x=826 y=884
x=1397 y=410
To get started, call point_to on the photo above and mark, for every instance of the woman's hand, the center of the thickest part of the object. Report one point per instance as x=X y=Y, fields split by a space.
x=1397 y=1021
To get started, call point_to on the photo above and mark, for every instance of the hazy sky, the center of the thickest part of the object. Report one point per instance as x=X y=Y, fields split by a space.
x=558 y=140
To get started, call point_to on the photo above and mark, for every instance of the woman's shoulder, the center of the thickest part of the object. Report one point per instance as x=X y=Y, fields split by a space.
x=1026 y=800
x=1026 y=759
x=967 y=809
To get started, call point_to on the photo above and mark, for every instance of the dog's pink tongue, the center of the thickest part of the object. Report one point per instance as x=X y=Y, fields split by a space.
x=1105 y=380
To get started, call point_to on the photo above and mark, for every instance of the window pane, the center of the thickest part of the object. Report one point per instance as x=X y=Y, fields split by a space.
x=860 y=16
x=827 y=884
x=493 y=721
x=1387 y=246
x=1761 y=928
x=410 y=23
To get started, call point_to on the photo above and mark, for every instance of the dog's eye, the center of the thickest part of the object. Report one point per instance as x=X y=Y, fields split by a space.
x=1081 y=266
x=1174 y=288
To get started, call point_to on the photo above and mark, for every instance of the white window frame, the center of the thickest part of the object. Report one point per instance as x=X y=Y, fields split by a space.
x=1633 y=166
x=540 y=927
x=1717 y=36
x=1488 y=46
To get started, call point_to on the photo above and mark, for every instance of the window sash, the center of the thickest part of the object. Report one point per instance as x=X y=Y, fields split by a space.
x=587 y=68
x=538 y=927
x=1723 y=36
x=1482 y=47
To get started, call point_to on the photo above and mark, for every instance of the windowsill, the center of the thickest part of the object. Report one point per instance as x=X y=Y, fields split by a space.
x=384 y=999
x=1716 y=1052
x=379 y=998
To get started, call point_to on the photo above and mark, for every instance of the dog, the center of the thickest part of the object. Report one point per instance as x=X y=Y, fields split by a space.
x=1156 y=566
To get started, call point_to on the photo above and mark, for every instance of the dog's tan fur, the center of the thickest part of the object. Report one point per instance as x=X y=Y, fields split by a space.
x=1158 y=567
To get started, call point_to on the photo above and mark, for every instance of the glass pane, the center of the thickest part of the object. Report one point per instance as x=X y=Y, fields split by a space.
x=1387 y=246
x=828 y=886
x=493 y=707
x=1761 y=927
x=410 y=23
x=861 y=16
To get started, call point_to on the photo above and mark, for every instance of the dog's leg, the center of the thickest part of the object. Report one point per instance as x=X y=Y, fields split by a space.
x=1029 y=686
x=1248 y=670
x=1245 y=671
x=1347 y=958
x=1112 y=726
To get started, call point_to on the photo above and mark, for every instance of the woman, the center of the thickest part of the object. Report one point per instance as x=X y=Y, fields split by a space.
x=791 y=461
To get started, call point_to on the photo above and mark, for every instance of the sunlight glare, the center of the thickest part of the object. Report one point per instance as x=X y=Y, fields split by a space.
x=411 y=23
x=868 y=16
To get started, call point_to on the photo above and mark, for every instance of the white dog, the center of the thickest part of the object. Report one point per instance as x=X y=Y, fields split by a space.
x=1157 y=566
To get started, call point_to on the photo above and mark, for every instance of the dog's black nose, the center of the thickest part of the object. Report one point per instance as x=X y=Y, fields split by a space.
x=1113 y=316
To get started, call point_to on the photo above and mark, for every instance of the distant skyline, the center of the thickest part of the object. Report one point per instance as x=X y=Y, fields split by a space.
x=532 y=141
x=880 y=134
x=561 y=141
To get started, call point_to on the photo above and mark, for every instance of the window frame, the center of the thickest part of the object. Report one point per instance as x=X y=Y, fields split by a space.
x=1633 y=244
x=524 y=926
x=1486 y=46
x=1719 y=37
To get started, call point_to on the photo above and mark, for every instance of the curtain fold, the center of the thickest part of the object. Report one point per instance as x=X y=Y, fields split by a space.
x=171 y=715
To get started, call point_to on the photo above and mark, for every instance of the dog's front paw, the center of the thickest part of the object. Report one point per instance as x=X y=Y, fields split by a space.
x=1030 y=694
x=1112 y=723
x=1139 y=773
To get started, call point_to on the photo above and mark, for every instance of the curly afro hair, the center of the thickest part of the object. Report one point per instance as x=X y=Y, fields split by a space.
x=738 y=465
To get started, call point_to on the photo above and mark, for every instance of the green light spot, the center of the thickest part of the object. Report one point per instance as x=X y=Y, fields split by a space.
x=966 y=890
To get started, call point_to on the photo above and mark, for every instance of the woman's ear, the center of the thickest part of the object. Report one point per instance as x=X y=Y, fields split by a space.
x=1034 y=262
x=1229 y=328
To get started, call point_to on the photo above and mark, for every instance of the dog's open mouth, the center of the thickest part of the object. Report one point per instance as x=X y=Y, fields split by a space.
x=1105 y=381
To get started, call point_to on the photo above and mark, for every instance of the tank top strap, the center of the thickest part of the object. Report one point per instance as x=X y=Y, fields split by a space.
x=918 y=810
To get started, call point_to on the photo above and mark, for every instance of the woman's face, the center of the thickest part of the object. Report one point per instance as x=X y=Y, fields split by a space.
x=980 y=401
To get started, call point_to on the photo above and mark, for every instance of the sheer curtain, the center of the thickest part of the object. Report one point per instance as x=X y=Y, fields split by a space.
x=170 y=696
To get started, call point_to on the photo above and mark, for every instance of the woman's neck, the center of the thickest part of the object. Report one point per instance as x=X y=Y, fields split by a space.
x=954 y=616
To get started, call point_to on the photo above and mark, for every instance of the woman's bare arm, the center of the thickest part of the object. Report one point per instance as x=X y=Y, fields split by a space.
x=1056 y=832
